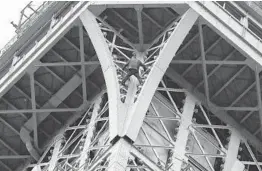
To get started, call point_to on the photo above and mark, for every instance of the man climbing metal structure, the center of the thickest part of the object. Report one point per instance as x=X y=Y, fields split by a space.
x=133 y=66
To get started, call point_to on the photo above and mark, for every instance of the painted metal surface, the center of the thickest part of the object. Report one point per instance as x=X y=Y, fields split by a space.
x=143 y=118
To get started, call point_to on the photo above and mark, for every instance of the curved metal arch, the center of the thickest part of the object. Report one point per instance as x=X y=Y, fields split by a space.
x=130 y=124
x=161 y=64
x=108 y=68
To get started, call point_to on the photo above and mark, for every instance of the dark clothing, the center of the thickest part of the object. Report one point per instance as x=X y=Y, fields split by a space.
x=133 y=69
x=129 y=74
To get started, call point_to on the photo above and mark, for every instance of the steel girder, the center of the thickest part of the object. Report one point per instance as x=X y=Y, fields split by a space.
x=222 y=21
x=141 y=90
x=156 y=147
x=41 y=47
x=110 y=158
x=136 y=112
x=62 y=94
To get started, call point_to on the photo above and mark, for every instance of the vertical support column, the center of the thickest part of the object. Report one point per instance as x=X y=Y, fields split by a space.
x=33 y=103
x=231 y=160
x=55 y=154
x=119 y=157
x=82 y=55
x=258 y=89
x=182 y=134
x=203 y=57
x=140 y=26
x=90 y=132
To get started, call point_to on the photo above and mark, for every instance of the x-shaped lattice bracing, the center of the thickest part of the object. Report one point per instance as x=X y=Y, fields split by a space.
x=155 y=147
x=127 y=117
x=120 y=94
x=114 y=51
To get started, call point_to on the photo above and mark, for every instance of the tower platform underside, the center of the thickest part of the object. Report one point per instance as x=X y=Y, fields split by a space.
x=197 y=106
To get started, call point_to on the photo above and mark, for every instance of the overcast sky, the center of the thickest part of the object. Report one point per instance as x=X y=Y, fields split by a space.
x=9 y=11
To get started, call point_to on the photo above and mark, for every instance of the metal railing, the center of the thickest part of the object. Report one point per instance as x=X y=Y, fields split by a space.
x=33 y=13
x=26 y=24
x=240 y=23
x=5 y=65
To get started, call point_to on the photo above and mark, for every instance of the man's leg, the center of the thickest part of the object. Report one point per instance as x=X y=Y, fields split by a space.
x=129 y=73
x=138 y=77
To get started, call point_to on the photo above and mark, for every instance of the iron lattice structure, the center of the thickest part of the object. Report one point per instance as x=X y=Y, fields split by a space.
x=197 y=108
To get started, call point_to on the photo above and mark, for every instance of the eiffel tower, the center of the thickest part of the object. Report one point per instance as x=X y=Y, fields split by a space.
x=197 y=106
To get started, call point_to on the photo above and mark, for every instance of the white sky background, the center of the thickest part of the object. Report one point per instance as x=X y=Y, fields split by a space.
x=9 y=11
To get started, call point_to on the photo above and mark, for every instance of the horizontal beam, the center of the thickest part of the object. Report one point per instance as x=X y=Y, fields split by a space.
x=206 y=155
x=67 y=63
x=239 y=108
x=58 y=110
x=8 y=157
x=132 y=4
x=177 y=90
x=251 y=163
x=209 y=62
x=211 y=126
x=161 y=118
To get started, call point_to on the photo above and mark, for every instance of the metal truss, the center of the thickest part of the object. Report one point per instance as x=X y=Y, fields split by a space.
x=141 y=126
x=241 y=31
x=89 y=134
x=56 y=99
x=175 y=135
x=176 y=132
x=29 y=14
x=40 y=47
x=112 y=59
